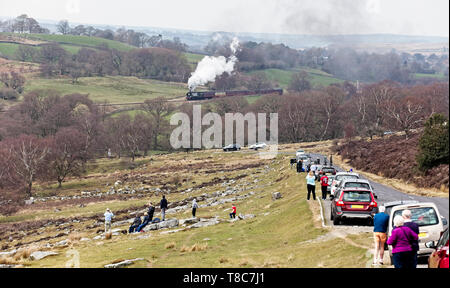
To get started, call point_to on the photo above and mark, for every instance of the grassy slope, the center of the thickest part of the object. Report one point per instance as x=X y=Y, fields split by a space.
x=439 y=76
x=283 y=77
x=280 y=239
x=115 y=89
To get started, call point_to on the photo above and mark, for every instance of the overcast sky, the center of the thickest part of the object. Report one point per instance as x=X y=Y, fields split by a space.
x=413 y=17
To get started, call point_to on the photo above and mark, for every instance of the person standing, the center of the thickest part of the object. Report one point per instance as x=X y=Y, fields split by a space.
x=299 y=166
x=311 y=185
x=163 y=206
x=331 y=160
x=194 y=207
x=150 y=211
x=233 y=212
x=324 y=184
x=400 y=240
x=406 y=214
x=108 y=217
x=380 y=226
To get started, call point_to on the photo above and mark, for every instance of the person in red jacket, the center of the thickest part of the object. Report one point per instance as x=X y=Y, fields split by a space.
x=324 y=184
x=233 y=212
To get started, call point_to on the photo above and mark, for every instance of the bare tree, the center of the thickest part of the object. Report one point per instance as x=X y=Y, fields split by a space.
x=158 y=109
x=406 y=113
x=63 y=27
x=29 y=155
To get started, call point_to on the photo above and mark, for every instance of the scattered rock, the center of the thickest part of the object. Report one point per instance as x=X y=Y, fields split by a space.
x=8 y=253
x=29 y=201
x=276 y=195
x=123 y=263
x=62 y=243
x=247 y=216
x=38 y=255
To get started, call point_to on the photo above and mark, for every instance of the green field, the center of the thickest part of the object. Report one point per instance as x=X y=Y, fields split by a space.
x=83 y=41
x=114 y=89
x=283 y=77
x=439 y=76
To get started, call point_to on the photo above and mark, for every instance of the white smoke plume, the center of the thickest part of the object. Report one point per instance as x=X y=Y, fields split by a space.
x=210 y=67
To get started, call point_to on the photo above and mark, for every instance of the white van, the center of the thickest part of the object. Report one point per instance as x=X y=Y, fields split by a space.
x=430 y=222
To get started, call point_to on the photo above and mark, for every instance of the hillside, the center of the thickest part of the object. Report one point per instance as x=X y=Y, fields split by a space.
x=394 y=157
x=283 y=77
x=272 y=233
x=114 y=89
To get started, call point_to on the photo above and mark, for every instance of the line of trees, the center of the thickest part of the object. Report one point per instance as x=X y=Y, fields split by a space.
x=50 y=137
x=157 y=63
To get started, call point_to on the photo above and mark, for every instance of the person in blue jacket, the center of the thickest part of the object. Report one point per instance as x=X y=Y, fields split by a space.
x=380 y=226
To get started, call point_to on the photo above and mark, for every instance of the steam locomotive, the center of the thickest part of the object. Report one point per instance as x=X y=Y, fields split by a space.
x=190 y=96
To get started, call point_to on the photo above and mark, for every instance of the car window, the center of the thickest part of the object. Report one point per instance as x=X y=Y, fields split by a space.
x=356 y=196
x=357 y=185
x=423 y=216
x=328 y=170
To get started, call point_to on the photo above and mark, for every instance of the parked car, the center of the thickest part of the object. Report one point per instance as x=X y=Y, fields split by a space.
x=330 y=180
x=354 y=183
x=390 y=205
x=439 y=257
x=299 y=152
x=257 y=146
x=339 y=177
x=430 y=222
x=327 y=170
x=232 y=147
x=353 y=203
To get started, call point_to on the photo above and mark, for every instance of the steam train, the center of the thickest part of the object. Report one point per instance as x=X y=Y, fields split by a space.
x=190 y=96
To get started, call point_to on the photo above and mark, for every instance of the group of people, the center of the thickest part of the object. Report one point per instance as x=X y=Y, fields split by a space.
x=311 y=185
x=311 y=179
x=404 y=239
x=138 y=223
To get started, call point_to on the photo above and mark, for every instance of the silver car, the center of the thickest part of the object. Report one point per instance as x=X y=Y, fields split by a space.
x=430 y=222
x=354 y=183
x=339 y=177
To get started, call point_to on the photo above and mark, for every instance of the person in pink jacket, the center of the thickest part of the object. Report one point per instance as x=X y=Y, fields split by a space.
x=401 y=239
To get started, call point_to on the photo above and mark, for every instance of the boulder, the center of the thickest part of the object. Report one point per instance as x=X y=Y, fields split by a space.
x=62 y=243
x=38 y=255
x=29 y=201
x=150 y=227
x=247 y=216
x=276 y=196
x=189 y=221
x=170 y=223
x=8 y=253
x=123 y=263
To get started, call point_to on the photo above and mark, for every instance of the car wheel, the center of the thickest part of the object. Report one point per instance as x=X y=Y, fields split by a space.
x=336 y=221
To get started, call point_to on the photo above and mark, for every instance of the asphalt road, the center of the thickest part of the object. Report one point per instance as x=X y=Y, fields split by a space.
x=388 y=194
x=385 y=194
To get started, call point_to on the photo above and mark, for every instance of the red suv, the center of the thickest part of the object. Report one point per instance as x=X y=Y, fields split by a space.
x=439 y=258
x=353 y=203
